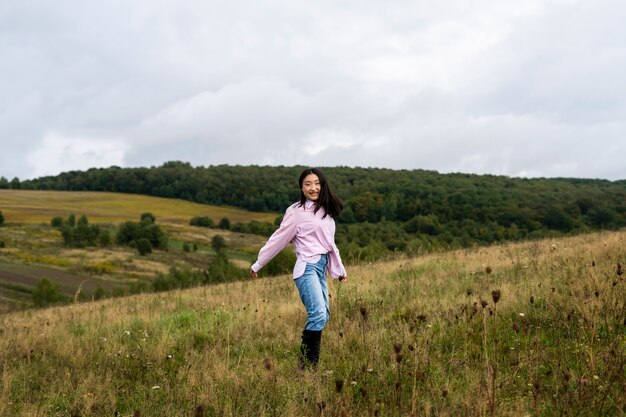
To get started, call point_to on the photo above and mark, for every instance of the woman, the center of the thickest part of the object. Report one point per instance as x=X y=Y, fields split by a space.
x=310 y=226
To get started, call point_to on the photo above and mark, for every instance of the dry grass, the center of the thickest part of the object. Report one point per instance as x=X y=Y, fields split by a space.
x=405 y=338
x=30 y=206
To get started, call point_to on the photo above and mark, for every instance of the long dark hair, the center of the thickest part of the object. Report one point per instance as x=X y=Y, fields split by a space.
x=326 y=199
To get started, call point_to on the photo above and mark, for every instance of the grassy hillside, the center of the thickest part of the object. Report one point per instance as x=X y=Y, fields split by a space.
x=35 y=250
x=27 y=206
x=421 y=336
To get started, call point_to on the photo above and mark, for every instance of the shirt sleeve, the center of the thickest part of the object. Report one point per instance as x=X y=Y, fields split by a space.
x=335 y=266
x=279 y=239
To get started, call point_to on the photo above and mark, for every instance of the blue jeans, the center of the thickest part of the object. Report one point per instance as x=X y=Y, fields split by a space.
x=314 y=294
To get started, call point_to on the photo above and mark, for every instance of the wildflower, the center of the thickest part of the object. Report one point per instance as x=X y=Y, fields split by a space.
x=532 y=300
x=397 y=347
x=484 y=303
x=156 y=387
x=619 y=270
x=444 y=393
x=399 y=357
x=127 y=332
x=328 y=373
x=488 y=270
x=522 y=314
x=495 y=295
x=353 y=383
x=596 y=377
x=267 y=362
x=468 y=291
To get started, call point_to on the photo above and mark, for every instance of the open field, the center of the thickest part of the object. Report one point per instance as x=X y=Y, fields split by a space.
x=534 y=328
x=28 y=206
x=34 y=250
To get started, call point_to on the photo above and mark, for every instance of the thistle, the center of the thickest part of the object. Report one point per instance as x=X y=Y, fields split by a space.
x=338 y=385
x=363 y=310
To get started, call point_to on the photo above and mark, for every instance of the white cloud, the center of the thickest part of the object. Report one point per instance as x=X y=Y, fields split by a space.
x=57 y=154
x=508 y=87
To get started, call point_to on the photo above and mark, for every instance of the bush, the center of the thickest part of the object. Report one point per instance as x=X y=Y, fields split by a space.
x=148 y=218
x=47 y=293
x=281 y=264
x=2 y=245
x=224 y=223
x=221 y=270
x=129 y=233
x=144 y=246
x=78 y=235
x=203 y=221
x=1 y=218
x=99 y=293
x=57 y=222
x=186 y=247
x=104 y=239
x=218 y=242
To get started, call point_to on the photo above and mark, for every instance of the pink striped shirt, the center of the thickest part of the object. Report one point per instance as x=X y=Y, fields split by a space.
x=311 y=234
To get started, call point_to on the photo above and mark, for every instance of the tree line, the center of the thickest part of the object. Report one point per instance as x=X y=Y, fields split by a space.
x=385 y=209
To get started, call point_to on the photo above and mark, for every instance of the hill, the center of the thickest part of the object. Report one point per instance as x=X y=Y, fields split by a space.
x=30 y=207
x=385 y=210
x=34 y=250
x=534 y=328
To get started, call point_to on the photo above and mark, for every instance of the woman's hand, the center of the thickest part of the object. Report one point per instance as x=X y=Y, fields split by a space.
x=253 y=274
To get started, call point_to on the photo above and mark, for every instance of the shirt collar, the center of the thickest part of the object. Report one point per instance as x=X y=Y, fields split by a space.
x=308 y=204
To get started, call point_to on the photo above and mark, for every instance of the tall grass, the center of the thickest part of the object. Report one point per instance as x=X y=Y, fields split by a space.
x=419 y=336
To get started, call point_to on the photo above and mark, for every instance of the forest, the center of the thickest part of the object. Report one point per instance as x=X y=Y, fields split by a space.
x=385 y=210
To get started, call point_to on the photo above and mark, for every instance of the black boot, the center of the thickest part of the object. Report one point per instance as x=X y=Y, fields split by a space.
x=310 y=348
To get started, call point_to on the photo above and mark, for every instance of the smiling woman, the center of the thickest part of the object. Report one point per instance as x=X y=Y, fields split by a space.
x=310 y=226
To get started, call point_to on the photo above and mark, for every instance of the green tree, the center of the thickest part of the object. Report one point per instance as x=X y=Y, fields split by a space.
x=224 y=223
x=148 y=218
x=218 y=242
x=47 y=293
x=57 y=222
x=4 y=183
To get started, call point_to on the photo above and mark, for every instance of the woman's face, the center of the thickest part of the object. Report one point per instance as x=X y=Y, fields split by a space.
x=311 y=187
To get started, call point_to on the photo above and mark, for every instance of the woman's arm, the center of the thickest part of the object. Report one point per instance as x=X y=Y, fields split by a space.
x=277 y=242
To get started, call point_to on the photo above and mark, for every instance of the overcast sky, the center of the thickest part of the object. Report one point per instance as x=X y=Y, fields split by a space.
x=520 y=88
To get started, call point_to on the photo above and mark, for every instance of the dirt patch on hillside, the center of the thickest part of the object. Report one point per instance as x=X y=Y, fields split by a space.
x=31 y=275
